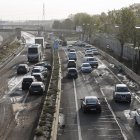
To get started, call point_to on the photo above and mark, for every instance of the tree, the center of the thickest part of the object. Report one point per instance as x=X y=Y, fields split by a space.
x=126 y=27
x=56 y=24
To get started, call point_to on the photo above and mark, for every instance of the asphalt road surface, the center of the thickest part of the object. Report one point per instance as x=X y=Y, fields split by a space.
x=19 y=111
x=114 y=122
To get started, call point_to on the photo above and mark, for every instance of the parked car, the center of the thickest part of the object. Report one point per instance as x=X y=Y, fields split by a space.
x=37 y=88
x=38 y=77
x=44 y=64
x=122 y=93
x=86 y=68
x=22 y=69
x=90 y=103
x=40 y=69
x=26 y=82
x=71 y=64
x=92 y=61
x=72 y=73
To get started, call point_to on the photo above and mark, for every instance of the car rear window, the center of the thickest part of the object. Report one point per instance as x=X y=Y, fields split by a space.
x=28 y=80
x=36 y=70
x=72 y=70
x=35 y=87
x=91 y=101
x=86 y=65
x=122 y=89
x=92 y=59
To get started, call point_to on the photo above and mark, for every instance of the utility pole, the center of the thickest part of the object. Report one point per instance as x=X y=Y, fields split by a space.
x=43 y=16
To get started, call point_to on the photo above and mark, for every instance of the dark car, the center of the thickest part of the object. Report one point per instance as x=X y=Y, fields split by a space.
x=38 y=77
x=22 y=69
x=37 y=88
x=90 y=103
x=26 y=82
x=44 y=64
x=71 y=64
x=72 y=73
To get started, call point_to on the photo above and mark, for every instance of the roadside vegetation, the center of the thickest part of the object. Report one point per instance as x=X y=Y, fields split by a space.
x=8 y=49
x=123 y=24
x=47 y=115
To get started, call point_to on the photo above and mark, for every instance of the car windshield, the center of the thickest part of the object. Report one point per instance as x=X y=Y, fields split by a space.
x=122 y=89
x=91 y=101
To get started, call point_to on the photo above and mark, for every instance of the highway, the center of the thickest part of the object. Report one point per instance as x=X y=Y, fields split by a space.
x=19 y=111
x=114 y=122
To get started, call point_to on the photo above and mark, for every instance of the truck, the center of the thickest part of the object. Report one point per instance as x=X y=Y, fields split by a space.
x=34 y=53
x=40 y=40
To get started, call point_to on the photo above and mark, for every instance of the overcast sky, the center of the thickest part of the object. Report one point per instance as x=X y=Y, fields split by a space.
x=56 y=9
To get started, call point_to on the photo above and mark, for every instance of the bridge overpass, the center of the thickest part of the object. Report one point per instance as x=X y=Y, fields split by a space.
x=39 y=28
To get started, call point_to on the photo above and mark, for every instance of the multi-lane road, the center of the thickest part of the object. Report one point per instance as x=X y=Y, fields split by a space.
x=114 y=122
x=19 y=111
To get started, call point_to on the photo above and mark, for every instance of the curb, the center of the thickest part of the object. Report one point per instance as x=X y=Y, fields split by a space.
x=53 y=133
x=56 y=114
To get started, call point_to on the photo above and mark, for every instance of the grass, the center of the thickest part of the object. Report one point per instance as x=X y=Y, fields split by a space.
x=9 y=49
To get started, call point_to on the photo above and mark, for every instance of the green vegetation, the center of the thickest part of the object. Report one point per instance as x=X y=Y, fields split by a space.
x=46 y=119
x=124 y=24
x=8 y=49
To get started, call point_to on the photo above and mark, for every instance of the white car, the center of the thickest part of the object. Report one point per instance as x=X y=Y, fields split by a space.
x=95 y=51
x=86 y=67
x=122 y=93
x=89 y=53
x=137 y=116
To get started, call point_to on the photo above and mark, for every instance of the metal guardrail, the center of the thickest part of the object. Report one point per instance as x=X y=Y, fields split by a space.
x=129 y=72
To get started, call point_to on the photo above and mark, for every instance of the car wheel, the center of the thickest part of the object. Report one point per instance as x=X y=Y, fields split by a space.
x=23 y=88
x=99 y=111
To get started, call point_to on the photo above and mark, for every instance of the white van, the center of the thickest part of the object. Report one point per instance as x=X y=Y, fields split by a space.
x=72 y=56
x=34 y=53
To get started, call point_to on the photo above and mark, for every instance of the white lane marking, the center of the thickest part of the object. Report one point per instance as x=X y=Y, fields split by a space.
x=16 y=116
x=125 y=138
x=134 y=94
x=77 y=111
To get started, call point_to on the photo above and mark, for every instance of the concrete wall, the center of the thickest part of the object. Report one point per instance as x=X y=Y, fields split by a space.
x=102 y=40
